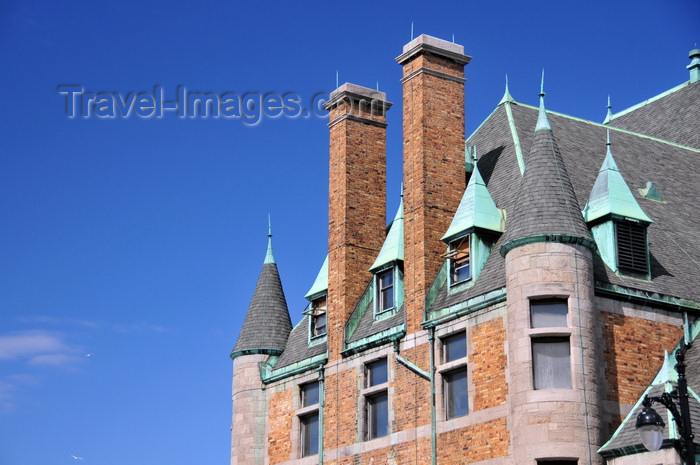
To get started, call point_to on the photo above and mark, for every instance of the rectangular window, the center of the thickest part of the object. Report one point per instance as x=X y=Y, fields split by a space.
x=309 y=420
x=385 y=290
x=549 y=313
x=456 y=393
x=454 y=379
x=376 y=399
x=631 y=247
x=551 y=363
x=459 y=257
x=318 y=317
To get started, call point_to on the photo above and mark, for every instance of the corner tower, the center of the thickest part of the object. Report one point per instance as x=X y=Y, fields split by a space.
x=553 y=330
x=264 y=334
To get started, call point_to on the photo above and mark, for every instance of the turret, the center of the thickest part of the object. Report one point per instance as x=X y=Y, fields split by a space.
x=264 y=334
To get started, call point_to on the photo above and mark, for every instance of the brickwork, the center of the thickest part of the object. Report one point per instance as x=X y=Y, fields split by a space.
x=433 y=147
x=280 y=419
x=357 y=201
x=411 y=393
x=475 y=443
x=489 y=362
x=341 y=415
x=634 y=352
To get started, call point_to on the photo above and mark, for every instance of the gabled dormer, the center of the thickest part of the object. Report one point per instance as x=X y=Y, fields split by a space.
x=317 y=311
x=473 y=231
x=387 y=269
x=617 y=222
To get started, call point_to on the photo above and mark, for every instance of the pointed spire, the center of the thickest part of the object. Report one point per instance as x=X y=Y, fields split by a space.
x=392 y=249
x=506 y=96
x=608 y=117
x=542 y=120
x=267 y=323
x=476 y=210
x=611 y=195
x=269 y=257
x=546 y=209
x=320 y=285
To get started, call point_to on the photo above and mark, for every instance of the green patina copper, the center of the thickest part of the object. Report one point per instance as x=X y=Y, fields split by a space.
x=269 y=374
x=269 y=257
x=611 y=195
x=392 y=249
x=542 y=120
x=476 y=210
x=320 y=285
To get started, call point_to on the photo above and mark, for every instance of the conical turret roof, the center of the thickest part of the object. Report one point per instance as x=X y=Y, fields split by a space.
x=267 y=324
x=546 y=209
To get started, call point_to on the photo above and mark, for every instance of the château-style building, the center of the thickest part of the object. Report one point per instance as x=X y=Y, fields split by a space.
x=517 y=307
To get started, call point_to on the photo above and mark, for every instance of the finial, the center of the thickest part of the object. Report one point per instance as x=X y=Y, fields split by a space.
x=542 y=120
x=453 y=37
x=377 y=85
x=608 y=117
x=401 y=189
x=608 y=139
x=269 y=257
x=411 y=30
x=506 y=95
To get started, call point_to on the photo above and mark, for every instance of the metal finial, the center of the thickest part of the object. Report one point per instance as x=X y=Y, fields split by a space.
x=269 y=226
x=411 y=30
x=542 y=94
x=608 y=139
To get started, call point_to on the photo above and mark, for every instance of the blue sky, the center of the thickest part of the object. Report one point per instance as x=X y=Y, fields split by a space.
x=138 y=240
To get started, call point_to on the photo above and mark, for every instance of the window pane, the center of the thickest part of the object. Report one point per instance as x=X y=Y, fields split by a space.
x=551 y=363
x=309 y=434
x=456 y=393
x=460 y=260
x=319 y=325
x=309 y=394
x=378 y=415
x=387 y=298
x=455 y=347
x=385 y=292
x=386 y=279
x=548 y=313
x=377 y=373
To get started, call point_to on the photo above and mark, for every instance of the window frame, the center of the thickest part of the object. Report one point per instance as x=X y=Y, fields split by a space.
x=307 y=415
x=372 y=392
x=544 y=334
x=455 y=256
x=449 y=367
x=317 y=312
x=380 y=304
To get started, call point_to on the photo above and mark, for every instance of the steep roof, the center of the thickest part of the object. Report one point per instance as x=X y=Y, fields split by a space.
x=546 y=207
x=670 y=116
x=392 y=249
x=581 y=146
x=267 y=324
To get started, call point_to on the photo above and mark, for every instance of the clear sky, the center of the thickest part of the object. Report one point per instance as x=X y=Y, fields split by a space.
x=130 y=246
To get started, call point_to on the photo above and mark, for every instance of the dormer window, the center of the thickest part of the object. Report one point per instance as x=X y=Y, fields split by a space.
x=385 y=290
x=318 y=316
x=460 y=260
x=632 y=255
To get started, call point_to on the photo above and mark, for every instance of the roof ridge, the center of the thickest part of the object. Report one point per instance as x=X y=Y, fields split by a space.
x=649 y=100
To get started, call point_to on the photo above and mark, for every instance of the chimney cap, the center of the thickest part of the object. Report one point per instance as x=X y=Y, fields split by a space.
x=694 y=53
x=425 y=43
x=354 y=92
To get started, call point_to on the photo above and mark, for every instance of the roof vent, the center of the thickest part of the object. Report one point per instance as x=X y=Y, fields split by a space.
x=694 y=65
x=651 y=192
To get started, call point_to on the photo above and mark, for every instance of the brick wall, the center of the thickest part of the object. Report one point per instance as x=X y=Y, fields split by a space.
x=475 y=443
x=433 y=146
x=411 y=393
x=357 y=200
x=634 y=352
x=489 y=362
x=341 y=414
x=280 y=418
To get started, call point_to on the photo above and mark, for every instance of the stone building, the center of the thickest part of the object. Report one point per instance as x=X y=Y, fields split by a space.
x=517 y=306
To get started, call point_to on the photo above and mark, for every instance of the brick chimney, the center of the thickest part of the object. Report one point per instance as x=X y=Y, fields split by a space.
x=357 y=199
x=433 y=158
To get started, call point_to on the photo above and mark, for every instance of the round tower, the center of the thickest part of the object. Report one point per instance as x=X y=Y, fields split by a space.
x=264 y=334
x=554 y=336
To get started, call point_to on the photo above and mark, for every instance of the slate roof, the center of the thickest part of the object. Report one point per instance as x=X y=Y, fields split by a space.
x=581 y=146
x=267 y=324
x=298 y=348
x=546 y=203
x=668 y=116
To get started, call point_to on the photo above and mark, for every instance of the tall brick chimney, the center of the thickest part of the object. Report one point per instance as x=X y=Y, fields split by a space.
x=433 y=159
x=357 y=199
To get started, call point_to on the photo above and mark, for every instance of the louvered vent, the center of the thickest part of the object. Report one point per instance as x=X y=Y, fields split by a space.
x=631 y=247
